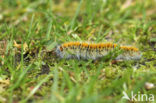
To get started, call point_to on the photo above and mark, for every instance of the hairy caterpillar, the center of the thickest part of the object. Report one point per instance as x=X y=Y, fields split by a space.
x=94 y=51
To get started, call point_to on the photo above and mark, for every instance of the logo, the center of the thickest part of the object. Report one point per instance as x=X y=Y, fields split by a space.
x=138 y=97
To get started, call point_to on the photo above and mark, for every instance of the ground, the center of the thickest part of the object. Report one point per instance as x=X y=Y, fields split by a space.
x=31 y=72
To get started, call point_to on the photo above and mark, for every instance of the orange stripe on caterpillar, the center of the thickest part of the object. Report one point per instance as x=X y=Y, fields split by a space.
x=100 y=45
x=129 y=48
x=93 y=51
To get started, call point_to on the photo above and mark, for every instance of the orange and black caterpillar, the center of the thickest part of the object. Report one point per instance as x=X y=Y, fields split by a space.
x=95 y=50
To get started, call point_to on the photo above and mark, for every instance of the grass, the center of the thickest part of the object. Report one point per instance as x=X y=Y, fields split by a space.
x=30 y=72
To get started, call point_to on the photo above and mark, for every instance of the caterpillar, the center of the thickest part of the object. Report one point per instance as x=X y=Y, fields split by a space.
x=83 y=50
